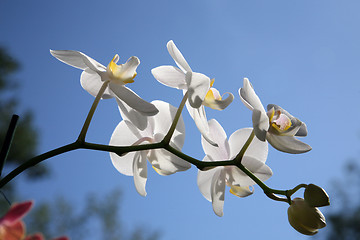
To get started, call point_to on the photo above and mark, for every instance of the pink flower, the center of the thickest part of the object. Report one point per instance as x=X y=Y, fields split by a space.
x=11 y=226
x=39 y=236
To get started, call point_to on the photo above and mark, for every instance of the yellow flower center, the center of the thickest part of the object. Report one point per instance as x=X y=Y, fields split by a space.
x=117 y=72
x=278 y=120
x=211 y=96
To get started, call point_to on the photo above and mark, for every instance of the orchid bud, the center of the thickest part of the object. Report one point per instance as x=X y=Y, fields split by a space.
x=315 y=196
x=305 y=219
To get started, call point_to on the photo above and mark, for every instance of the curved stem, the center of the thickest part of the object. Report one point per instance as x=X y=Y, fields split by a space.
x=240 y=155
x=86 y=125
x=35 y=160
x=168 y=136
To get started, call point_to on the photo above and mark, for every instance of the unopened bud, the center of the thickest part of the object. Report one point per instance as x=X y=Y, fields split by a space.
x=305 y=219
x=315 y=196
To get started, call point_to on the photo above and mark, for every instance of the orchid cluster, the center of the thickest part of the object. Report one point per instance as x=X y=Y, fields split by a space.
x=154 y=132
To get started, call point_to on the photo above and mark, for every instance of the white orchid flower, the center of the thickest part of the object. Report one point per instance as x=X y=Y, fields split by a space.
x=134 y=163
x=199 y=87
x=275 y=125
x=95 y=74
x=212 y=182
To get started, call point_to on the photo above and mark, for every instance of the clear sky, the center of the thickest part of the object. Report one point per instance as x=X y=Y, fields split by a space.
x=301 y=55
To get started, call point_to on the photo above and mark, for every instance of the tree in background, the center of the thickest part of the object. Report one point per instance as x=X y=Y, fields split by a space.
x=99 y=218
x=344 y=221
x=25 y=141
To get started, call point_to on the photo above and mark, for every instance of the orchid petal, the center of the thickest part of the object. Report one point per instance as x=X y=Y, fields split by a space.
x=200 y=120
x=15 y=231
x=198 y=85
x=260 y=124
x=302 y=131
x=259 y=169
x=16 y=212
x=178 y=57
x=218 y=192
x=128 y=69
x=220 y=104
x=140 y=172
x=257 y=149
x=36 y=236
x=133 y=100
x=166 y=162
x=287 y=144
x=204 y=180
x=91 y=82
x=78 y=60
x=123 y=136
x=249 y=97
x=241 y=191
x=131 y=115
x=170 y=76
x=162 y=121
x=222 y=151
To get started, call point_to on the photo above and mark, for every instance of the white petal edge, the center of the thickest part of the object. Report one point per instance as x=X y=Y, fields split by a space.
x=91 y=82
x=204 y=180
x=178 y=57
x=123 y=136
x=131 y=115
x=287 y=144
x=133 y=100
x=78 y=60
x=260 y=123
x=249 y=97
x=218 y=192
x=257 y=149
x=198 y=86
x=170 y=76
x=222 y=151
x=140 y=172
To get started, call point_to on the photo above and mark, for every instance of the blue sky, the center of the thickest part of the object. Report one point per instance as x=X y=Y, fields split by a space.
x=301 y=55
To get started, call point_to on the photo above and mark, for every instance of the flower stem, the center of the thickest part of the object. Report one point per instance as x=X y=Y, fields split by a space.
x=168 y=136
x=35 y=160
x=240 y=155
x=85 y=127
x=7 y=141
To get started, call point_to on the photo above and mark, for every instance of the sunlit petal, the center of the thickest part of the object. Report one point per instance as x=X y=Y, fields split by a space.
x=140 y=172
x=259 y=169
x=287 y=144
x=167 y=162
x=222 y=151
x=133 y=100
x=241 y=191
x=249 y=97
x=123 y=136
x=170 y=76
x=131 y=115
x=218 y=192
x=257 y=149
x=178 y=57
x=219 y=104
x=260 y=124
x=198 y=85
x=204 y=180
x=91 y=82
x=77 y=59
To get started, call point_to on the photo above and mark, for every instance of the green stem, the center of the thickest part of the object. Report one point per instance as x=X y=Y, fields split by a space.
x=35 y=160
x=86 y=125
x=240 y=155
x=168 y=136
x=7 y=141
